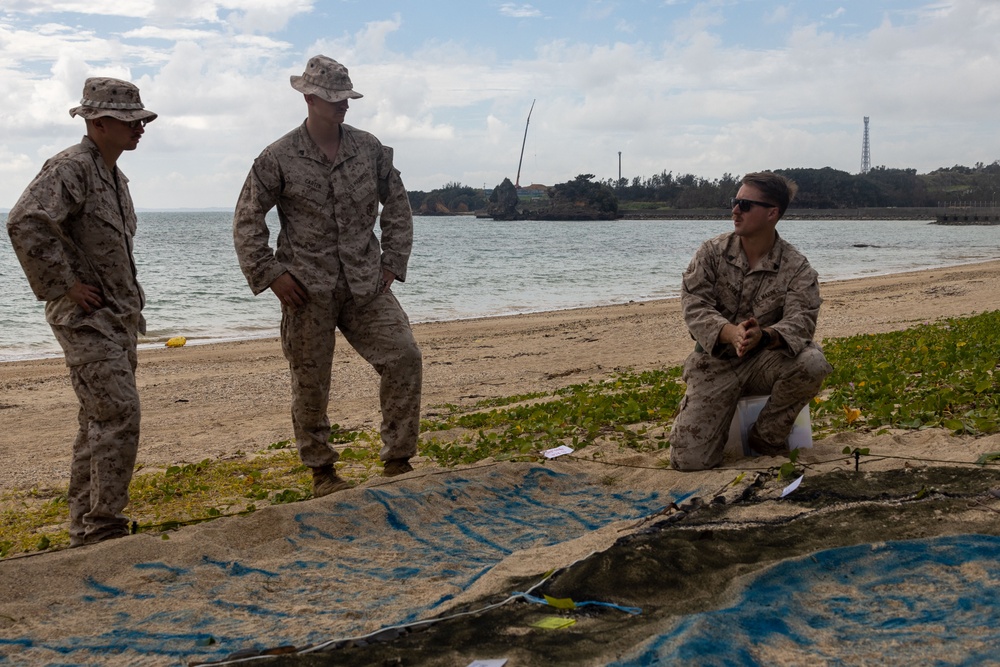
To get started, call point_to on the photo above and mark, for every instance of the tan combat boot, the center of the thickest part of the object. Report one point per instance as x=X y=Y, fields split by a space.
x=327 y=481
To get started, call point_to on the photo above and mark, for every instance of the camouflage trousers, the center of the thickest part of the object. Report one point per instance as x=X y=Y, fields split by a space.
x=104 y=452
x=380 y=332
x=715 y=386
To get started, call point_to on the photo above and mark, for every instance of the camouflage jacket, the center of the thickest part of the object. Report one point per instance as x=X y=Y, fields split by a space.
x=73 y=223
x=719 y=287
x=327 y=212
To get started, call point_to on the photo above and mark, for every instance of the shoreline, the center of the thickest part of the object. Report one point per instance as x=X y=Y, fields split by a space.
x=274 y=335
x=225 y=400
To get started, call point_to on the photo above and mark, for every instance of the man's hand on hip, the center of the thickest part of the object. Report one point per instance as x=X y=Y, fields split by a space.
x=387 y=279
x=86 y=296
x=289 y=291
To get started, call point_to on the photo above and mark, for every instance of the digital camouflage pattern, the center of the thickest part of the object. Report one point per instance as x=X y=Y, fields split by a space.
x=107 y=442
x=719 y=288
x=327 y=213
x=75 y=221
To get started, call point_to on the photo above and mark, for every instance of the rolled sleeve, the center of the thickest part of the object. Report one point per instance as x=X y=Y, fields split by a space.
x=250 y=232
x=802 y=303
x=35 y=229
x=698 y=299
x=396 y=218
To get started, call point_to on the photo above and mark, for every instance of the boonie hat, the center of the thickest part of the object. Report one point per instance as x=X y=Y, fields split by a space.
x=104 y=96
x=326 y=79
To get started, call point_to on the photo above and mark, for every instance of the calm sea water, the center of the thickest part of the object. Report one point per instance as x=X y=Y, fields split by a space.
x=462 y=267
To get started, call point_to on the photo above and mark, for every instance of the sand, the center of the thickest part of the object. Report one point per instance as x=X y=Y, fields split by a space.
x=424 y=544
x=215 y=401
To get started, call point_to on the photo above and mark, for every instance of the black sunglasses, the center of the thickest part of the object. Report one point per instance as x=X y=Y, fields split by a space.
x=136 y=123
x=746 y=204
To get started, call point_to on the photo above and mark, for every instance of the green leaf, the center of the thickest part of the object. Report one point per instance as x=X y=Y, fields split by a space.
x=988 y=458
x=955 y=425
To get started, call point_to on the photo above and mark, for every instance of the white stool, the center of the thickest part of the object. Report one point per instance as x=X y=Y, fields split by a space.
x=746 y=414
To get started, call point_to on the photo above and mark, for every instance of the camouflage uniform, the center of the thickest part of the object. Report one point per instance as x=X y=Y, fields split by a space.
x=718 y=288
x=76 y=222
x=327 y=211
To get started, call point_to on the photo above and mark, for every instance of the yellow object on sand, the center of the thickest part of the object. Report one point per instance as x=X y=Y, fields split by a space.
x=177 y=341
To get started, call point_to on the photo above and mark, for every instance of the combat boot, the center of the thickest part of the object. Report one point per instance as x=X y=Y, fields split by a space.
x=395 y=467
x=327 y=481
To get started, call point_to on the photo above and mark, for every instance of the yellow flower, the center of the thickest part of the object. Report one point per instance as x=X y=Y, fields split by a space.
x=852 y=414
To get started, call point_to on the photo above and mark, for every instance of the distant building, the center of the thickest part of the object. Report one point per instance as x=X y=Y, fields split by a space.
x=533 y=191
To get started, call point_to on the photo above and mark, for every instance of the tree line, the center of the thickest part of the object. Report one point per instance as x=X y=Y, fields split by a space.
x=825 y=188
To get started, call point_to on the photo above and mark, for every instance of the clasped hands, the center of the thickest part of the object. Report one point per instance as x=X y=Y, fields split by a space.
x=744 y=336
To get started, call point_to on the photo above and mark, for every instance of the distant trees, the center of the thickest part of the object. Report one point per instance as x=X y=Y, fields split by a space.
x=581 y=192
x=452 y=198
x=825 y=188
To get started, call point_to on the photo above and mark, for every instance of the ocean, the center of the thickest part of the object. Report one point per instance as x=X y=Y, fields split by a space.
x=463 y=267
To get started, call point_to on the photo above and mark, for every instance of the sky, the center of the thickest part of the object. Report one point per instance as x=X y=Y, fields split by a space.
x=619 y=87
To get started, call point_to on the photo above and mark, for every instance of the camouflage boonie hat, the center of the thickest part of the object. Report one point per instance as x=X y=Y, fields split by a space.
x=326 y=79
x=104 y=96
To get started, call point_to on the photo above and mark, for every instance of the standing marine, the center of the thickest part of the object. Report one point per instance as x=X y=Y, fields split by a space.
x=330 y=271
x=72 y=230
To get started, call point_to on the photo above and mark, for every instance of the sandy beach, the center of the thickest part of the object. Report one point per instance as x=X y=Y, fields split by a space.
x=440 y=541
x=220 y=400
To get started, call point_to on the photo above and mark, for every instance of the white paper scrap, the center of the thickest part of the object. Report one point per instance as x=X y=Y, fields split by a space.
x=791 y=487
x=488 y=663
x=557 y=451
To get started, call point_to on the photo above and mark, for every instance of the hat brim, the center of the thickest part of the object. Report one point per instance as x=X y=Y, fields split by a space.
x=306 y=88
x=126 y=115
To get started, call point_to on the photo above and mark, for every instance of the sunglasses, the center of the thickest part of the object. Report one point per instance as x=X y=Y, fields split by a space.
x=133 y=124
x=746 y=204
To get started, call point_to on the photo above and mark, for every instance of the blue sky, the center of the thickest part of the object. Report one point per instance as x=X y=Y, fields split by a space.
x=690 y=86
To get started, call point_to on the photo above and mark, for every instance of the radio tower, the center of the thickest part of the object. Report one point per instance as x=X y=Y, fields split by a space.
x=866 y=157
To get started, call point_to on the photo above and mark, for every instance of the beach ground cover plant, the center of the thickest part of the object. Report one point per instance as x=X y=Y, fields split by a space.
x=941 y=374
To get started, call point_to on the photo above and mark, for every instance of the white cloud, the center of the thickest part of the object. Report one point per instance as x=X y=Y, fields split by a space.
x=691 y=98
x=519 y=11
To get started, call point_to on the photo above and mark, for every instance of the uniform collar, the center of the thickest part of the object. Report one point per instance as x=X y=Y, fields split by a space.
x=307 y=148
x=771 y=262
x=102 y=167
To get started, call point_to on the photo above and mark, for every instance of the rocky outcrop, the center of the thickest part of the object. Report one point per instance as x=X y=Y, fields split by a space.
x=504 y=202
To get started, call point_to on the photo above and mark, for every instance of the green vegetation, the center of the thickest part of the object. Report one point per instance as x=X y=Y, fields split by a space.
x=941 y=374
x=452 y=198
x=934 y=375
x=825 y=188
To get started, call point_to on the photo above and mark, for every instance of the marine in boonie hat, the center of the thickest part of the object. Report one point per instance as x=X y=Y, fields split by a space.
x=326 y=79
x=104 y=96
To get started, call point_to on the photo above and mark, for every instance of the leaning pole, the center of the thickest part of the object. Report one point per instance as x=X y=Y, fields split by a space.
x=517 y=180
